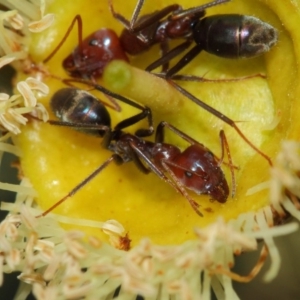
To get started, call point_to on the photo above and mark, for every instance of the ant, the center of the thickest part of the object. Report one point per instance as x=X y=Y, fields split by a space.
x=196 y=168
x=94 y=52
x=229 y=36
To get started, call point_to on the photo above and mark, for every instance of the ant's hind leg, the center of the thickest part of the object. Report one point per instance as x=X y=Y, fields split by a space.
x=225 y=146
x=81 y=185
x=180 y=187
x=220 y=116
x=135 y=25
x=166 y=57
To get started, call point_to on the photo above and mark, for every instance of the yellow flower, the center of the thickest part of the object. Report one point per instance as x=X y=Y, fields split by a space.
x=125 y=205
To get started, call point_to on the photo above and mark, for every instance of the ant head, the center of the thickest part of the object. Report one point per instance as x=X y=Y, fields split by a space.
x=93 y=54
x=198 y=170
x=220 y=191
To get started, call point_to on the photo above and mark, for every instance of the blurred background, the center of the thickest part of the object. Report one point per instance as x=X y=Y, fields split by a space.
x=285 y=286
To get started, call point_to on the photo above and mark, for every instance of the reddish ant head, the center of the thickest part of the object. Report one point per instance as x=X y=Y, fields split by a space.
x=89 y=59
x=198 y=170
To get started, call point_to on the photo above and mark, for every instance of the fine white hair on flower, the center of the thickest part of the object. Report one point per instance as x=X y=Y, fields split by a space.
x=58 y=258
x=44 y=22
x=13 y=109
x=285 y=182
x=13 y=48
x=15 y=26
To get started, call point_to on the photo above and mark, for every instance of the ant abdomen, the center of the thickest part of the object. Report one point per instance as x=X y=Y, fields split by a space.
x=79 y=107
x=234 y=36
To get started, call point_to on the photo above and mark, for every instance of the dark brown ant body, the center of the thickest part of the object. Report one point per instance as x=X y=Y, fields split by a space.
x=224 y=35
x=228 y=36
x=196 y=168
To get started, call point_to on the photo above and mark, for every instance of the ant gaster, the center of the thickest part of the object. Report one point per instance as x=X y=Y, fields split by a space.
x=196 y=168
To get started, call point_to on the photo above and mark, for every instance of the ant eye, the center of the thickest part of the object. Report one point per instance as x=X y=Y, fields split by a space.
x=188 y=174
x=93 y=42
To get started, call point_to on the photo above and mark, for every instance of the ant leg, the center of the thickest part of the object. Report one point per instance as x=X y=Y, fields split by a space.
x=134 y=25
x=180 y=187
x=154 y=17
x=136 y=13
x=174 y=183
x=193 y=78
x=119 y=17
x=86 y=126
x=79 y=24
x=169 y=55
x=114 y=157
x=222 y=117
x=225 y=145
x=115 y=105
x=164 y=48
x=197 y=10
x=184 y=61
x=73 y=125
x=159 y=136
x=146 y=113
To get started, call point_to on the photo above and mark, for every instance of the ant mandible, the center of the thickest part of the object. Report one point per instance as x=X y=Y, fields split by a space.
x=196 y=168
x=229 y=36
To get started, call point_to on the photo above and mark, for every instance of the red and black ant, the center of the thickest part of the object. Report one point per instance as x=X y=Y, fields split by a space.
x=196 y=168
x=229 y=36
x=243 y=36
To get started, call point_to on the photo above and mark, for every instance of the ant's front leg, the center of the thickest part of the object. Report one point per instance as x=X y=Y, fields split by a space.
x=146 y=113
x=160 y=133
x=167 y=57
x=184 y=61
x=135 y=25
